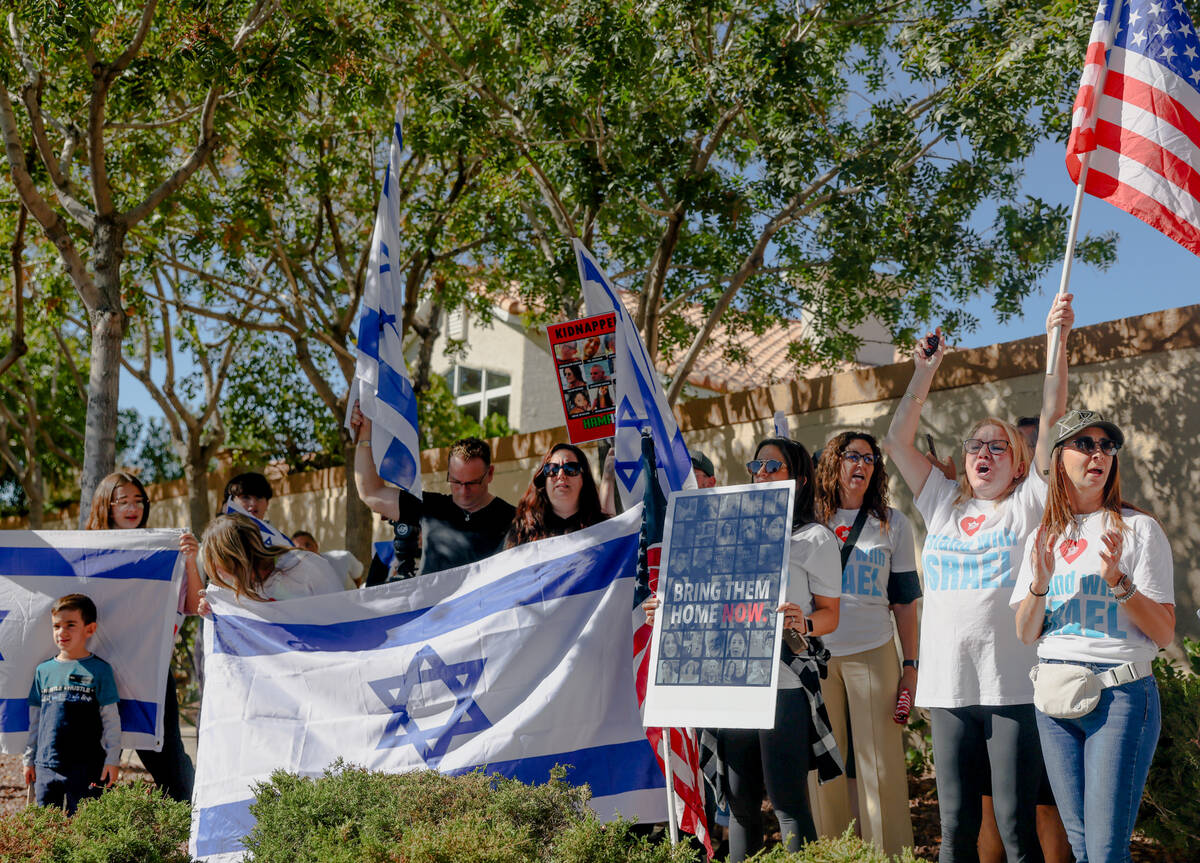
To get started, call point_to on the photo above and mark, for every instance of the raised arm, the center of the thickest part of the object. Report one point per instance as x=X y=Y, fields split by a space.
x=1054 y=388
x=374 y=492
x=899 y=443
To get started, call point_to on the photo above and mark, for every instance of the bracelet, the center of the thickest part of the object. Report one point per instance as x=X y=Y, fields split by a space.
x=1125 y=597
x=916 y=398
x=366 y=443
x=1035 y=593
x=1125 y=586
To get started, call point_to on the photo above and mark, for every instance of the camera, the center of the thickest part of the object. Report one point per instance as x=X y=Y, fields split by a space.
x=406 y=540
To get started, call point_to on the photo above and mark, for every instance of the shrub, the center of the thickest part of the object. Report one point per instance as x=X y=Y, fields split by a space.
x=1170 y=811
x=846 y=848
x=127 y=824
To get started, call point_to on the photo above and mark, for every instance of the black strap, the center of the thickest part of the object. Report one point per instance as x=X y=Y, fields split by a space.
x=852 y=536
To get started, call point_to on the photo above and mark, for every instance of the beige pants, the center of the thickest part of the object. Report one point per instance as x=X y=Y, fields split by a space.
x=862 y=686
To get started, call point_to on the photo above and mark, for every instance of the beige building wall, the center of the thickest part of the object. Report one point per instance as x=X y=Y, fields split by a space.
x=1143 y=373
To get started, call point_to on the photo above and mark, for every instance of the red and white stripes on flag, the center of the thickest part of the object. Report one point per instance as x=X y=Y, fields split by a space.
x=685 y=774
x=1139 y=117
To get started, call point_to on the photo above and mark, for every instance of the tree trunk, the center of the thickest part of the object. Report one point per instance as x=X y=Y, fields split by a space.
x=359 y=519
x=108 y=331
x=195 y=472
x=35 y=493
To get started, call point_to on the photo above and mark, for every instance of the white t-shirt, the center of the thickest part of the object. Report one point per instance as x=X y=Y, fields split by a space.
x=1084 y=622
x=813 y=564
x=864 y=621
x=301 y=573
x=970 y=653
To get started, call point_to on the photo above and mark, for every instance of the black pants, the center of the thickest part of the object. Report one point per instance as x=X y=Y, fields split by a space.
x=171 y=769
x=966 y=741
x=774 y=761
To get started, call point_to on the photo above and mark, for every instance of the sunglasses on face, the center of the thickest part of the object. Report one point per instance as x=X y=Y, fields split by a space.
x=770 y=464
x=1088 y=445
x=571 y=468
x=995 y=447
x=855 y=457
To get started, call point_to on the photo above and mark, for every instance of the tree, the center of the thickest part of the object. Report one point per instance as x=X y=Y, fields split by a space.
x=122 y=110
x=759 y=160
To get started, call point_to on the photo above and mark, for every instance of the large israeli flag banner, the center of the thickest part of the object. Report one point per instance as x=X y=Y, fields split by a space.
x=133 y=576
x=381 y=383
x=641 y=402
x=513 y=665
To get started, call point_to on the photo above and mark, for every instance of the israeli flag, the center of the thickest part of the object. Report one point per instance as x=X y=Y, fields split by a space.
x=641 y=402
x=513 y=664
x=133 y=576
x=272 y=536
x=381 y=383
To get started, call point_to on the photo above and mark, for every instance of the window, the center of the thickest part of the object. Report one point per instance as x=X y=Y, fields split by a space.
x=480 y=392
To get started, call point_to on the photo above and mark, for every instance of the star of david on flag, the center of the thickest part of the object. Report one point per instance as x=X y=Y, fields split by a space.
x=381 y=384
x=513 y=665
x=639 y=397
x=1135 y=120
x=272 y=536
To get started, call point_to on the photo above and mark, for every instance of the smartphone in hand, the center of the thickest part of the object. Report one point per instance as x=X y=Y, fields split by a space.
x=931 y=345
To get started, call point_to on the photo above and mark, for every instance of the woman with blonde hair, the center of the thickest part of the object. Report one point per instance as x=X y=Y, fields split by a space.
x=120 y=502
x=975 y=679
x=235 y=557
x=1096 y=552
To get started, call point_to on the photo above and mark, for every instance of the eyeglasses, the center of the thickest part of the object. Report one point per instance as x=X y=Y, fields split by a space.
x=855 y=457
x=995 y=447
x=770 y=464
x=1088 y=445
x=570 y=468
x=467 y=483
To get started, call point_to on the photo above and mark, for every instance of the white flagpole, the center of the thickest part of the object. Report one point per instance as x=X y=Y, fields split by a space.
x=672 y=818
x=1073 y=232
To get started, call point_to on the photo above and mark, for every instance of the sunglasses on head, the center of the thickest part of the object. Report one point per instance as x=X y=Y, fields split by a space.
x=995 y=447
x=571 y=468
x=770 y=464
x=855 y=457
x=1088 y=445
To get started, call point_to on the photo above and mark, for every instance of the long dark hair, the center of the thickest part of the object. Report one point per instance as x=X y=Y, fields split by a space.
x=529 y=524
x=100 y=515
x=800 y=469
x=829 y=489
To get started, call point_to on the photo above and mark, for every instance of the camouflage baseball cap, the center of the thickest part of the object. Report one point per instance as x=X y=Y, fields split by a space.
x=1073 y=422
x=703 y=463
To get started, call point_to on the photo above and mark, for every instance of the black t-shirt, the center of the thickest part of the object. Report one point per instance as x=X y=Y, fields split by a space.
x=451 y=537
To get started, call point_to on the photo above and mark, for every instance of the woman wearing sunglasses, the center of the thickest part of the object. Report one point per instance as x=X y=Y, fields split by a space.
x=561 y=498
x=975 y=679
x=1096 y=592
x=865 y=682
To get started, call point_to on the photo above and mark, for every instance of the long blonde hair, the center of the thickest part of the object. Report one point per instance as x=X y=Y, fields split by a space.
x=1022 y=459
x=232 y=544
x=1059 y=515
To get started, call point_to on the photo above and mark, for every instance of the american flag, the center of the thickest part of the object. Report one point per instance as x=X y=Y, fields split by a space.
x=1138 y=116
x=685 y=773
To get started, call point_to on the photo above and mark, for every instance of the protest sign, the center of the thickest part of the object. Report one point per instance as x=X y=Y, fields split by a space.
x=716 y=644
x=583 y=361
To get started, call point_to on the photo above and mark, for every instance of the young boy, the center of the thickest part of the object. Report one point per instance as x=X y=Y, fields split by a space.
x=74 y=727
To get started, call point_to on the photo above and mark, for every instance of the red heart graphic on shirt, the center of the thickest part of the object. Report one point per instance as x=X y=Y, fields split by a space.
x=1071 y=549
x=971 y=525
x=843 y=532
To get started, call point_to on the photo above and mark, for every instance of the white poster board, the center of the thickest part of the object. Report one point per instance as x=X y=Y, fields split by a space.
x=716 y=643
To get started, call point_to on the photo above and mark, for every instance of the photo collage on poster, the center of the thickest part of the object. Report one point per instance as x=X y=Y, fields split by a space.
x=584 y=351
x=725 y=558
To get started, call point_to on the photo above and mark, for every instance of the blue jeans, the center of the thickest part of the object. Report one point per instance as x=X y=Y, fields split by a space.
x=1098 y=766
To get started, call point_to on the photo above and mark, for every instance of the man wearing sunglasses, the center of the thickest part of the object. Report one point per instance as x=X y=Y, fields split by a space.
x=462 y=527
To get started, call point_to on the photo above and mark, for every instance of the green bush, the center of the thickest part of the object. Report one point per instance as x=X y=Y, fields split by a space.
x=1170 y=811
x=128 y=824
x=847 y=848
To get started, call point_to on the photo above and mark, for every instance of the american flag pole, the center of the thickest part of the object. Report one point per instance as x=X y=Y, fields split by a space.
x=1109 y=34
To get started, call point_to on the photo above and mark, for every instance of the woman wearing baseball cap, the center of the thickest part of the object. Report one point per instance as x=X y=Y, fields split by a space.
x=1096 y=593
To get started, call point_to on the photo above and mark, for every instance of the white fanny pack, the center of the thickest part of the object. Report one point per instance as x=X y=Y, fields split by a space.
x=1070 y=691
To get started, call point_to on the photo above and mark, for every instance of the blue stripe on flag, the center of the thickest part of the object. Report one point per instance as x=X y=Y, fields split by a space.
x=615 y=769
x=368 y=333
x=396 y=390
x=140 y=563
x=398 y=464
x=136 y=716
x=591 y=570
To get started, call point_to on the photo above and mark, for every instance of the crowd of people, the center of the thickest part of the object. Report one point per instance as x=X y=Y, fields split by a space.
x=1045 y=596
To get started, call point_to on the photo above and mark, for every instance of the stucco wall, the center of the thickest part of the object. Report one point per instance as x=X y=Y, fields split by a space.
x=1144 y=373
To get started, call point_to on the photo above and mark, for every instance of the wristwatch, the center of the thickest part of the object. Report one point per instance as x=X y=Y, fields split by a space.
x=909 y=663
